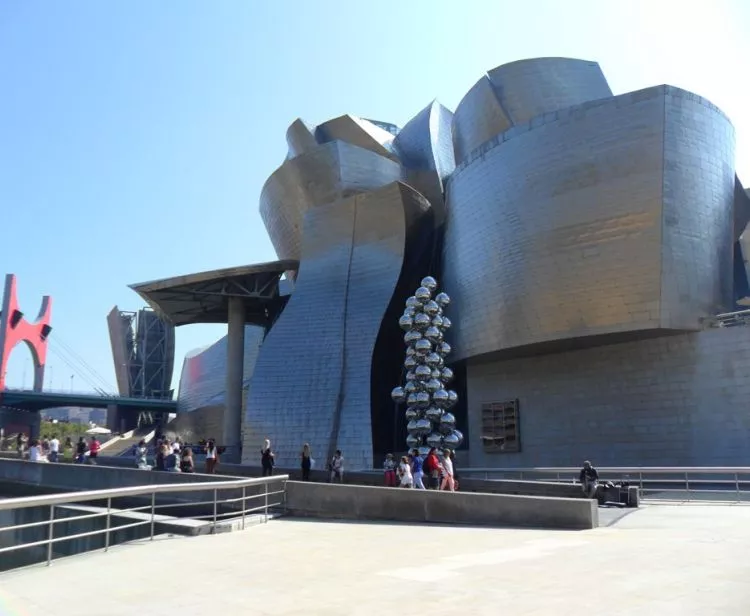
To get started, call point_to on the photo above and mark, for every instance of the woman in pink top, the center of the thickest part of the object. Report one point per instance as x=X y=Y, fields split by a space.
x=94 y=448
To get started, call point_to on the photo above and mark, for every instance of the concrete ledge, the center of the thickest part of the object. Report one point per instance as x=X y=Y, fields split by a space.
x=402 y=505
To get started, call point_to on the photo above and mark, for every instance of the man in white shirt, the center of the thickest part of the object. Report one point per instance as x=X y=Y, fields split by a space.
x=54 y=448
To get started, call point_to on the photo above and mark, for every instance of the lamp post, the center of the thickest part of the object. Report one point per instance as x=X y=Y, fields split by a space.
x=71 y=383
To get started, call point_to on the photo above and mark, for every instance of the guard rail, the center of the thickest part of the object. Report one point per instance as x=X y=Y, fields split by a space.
x=725 y=483
x=269 y=491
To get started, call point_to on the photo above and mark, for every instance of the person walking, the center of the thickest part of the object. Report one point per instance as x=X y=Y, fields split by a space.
x=94 y=448
x=432 y=467
x=187 y=464
x=389 y=470
x=54 y=448
x=81 y=449
x=404 y=473
x=417 y=472
x=212 y=457
x=447 y=465
x=337 y=467
x=267 y=458
x=306 y=461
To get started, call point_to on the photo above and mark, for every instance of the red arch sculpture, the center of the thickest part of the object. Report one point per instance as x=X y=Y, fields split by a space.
x=14 y=328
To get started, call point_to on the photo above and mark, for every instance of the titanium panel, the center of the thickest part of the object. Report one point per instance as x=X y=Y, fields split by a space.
x=555 y=231
x=203 y=376
x=425 y=146
x=313 y=375
x=120 y=339
x=300 y=138
x=329 y=172
x=533 y=87
x=479 y=117
x=359 y=132
x=741 y=208
x=698 y=211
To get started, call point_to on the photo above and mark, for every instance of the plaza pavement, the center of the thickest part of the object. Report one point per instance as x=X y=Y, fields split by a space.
x=660 y=560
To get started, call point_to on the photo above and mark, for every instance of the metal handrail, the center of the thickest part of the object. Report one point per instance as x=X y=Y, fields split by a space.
x=71 y=498
x=734 y=486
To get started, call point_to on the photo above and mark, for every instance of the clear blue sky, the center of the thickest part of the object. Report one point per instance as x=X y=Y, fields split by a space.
x=135 y=135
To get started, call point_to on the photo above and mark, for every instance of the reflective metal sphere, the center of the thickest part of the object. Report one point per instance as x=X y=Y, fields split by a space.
x=443 y=299
x=423 y=451
x=431 y=308
x=412 y=336
x=423 y=346
x=446 y=374
x=411 y=399
x=413 y=302
x=440 y=398
x=432 y=385
x=446 y=323
x=459 y=435
x=433 y=413
x=423 y=294
x=411 y=413
x=423 y=399
x=452 y=397
x=452 y=440
x=435 y=373
x=432 y=333
x=429 y=282
x=398 y=395
x=412 y=441
x=444 y=348
x=410 y=387
x=411 y=427
x=437 y=320
x=410 y=350
x=411 y=376
x=432 y=359
x=410 y=362
x=448 y=419
x=410 y=312
x=423 y=373
x=422 y=426
x=420 y=320
x=434 y=440
x=406 y=322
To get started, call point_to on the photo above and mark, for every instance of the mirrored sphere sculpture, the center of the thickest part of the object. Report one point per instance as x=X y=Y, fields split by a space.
x=425 y=390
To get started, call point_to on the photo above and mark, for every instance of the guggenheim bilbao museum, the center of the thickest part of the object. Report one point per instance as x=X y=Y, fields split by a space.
x=592 y=248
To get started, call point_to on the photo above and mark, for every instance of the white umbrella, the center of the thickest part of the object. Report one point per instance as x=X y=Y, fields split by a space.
x=98 y=430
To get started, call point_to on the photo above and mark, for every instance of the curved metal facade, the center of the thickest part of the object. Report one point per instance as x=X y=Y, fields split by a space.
x=316 y=177
x=204 y=373
x=312 y=379
x=514 y=93
x=604 y=218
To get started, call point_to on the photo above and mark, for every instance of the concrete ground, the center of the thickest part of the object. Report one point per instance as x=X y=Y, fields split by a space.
x=660 y=560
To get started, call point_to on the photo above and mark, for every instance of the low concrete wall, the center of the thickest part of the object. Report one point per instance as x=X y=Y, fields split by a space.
x=426 y=506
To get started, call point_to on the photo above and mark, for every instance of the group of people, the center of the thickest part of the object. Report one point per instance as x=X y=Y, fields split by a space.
x=175 y=457
x=411 y=471
x=51 y=450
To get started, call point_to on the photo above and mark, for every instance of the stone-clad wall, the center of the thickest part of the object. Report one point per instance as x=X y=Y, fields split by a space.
x=672 y=401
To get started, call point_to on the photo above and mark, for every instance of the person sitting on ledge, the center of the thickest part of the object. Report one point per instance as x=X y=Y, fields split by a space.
x=589 y=480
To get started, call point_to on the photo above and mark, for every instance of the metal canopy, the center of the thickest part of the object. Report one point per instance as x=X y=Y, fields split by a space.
x=204 y=297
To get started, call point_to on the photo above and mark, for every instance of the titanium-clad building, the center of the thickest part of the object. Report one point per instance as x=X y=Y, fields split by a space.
x=595 y=247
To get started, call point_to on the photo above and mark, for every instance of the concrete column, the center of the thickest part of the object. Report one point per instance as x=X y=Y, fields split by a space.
x=235 y=369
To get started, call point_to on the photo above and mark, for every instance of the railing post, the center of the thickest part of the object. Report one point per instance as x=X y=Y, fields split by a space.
x=265 y=486
x=109 y=515
x=687 y=486
x=640 y=482
x=737 y=486
x=520 y=475
x=216 y=498
x=558 y=476
x=243 y=507
x=50 y=534
x=153 y=513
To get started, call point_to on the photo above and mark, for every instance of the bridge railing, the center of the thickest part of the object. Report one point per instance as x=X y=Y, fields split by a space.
x=97 y=393
x=701 y=483
x=235 y=499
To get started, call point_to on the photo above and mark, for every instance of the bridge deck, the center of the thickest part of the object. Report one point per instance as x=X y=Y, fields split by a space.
x=38 y=400
x=666 y=560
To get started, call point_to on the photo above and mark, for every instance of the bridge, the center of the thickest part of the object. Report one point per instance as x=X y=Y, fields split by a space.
x=40 y=400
